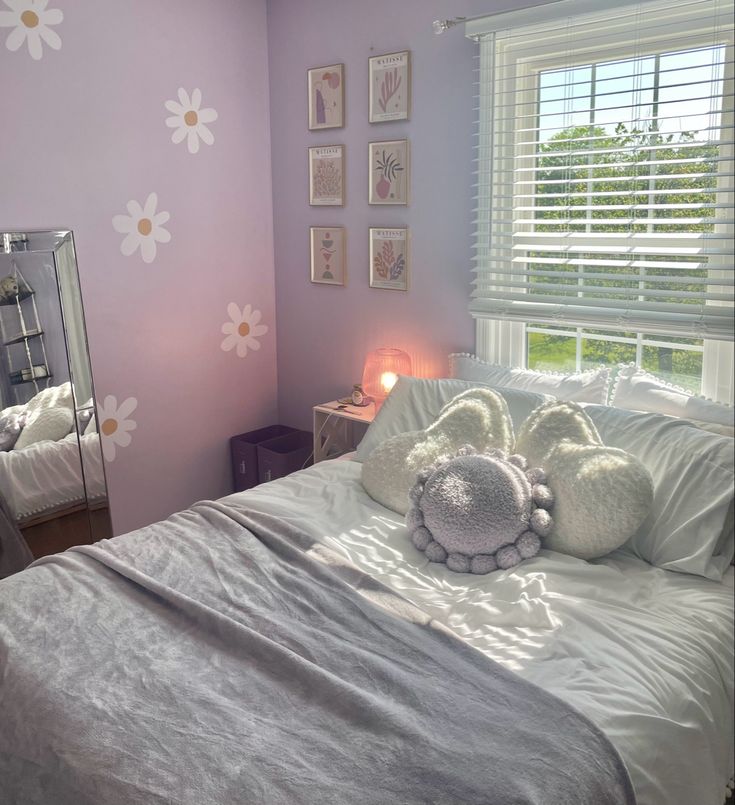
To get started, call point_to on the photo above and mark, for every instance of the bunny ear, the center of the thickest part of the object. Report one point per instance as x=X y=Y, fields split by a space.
x=550 y=424
x=479 y=416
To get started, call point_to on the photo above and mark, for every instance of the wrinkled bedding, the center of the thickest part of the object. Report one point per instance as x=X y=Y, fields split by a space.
x=645 y=653
x=227 y=657
x=47 y=476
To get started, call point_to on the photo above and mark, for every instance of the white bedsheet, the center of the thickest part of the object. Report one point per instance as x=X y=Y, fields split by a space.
x=646 y=654
x=47 y=476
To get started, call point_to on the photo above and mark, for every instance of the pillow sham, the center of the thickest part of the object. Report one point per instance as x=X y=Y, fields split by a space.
x=639 y=390
x=415 y=402
x=693 y=478
x=602 y=494
x=12 y=421
x=590 y=386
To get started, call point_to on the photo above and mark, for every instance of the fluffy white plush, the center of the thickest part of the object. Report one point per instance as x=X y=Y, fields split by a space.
x=478 y=417
x=42 y=420
x=602 y=494
x=50 y=424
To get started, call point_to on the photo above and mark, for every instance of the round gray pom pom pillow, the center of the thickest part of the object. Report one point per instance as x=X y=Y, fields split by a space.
x=478 y=512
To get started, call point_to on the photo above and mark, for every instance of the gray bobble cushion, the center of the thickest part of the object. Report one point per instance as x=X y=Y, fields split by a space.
x=602 y=494
x=479 y=512
x=479 y=417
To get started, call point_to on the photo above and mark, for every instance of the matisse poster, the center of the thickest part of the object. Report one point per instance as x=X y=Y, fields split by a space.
x=327 y=245
x=390 y=86
x=389 y=258
x=327 y=175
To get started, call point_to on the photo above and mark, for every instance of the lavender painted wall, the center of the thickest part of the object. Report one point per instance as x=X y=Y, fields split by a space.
x=324 y=332
x=84 y=134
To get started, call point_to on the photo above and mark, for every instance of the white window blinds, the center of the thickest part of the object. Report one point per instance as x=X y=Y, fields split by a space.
x=605 y=170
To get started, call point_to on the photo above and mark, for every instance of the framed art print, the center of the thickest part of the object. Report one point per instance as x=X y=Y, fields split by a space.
x=389 y=258
x=388 y=172
x=390 y=87
x=327 y=245
x=326 y=87
x=327 y=175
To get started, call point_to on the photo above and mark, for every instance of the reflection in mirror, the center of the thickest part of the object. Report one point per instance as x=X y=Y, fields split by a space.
x=52 y=482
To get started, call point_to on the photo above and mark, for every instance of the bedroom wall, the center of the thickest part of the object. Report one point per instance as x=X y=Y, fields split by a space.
x=324 y=332
x=84 y=134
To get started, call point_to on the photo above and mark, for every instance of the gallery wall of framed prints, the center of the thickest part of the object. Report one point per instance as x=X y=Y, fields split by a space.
x=389 y=171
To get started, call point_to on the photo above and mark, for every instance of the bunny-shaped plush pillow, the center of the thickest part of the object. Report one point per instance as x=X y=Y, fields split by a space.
x=478 y=417
x=602 y=494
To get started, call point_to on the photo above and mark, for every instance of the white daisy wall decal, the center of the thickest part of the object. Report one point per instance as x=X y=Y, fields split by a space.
x=189 y=120
x=30 y=20
x=244 y=329
x=143 y=228
x=115 y=424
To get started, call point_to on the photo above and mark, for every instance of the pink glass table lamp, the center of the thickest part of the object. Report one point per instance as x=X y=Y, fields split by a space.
x=382 y=367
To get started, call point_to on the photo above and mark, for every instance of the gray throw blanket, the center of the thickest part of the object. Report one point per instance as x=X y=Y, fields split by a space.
x=221 y=658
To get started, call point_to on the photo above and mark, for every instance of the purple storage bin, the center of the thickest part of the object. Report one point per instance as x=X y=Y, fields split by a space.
x=244 y=453
x=284 y=454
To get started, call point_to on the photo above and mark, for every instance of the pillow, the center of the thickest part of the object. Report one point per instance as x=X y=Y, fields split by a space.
x=12 y=421
x=52 y=397
x=693 y=477
x=639 y=390
x=601 y=494
x=590 y=386
x=478 y=417
x=49 y=424
x=415 y=402
x=479 y=512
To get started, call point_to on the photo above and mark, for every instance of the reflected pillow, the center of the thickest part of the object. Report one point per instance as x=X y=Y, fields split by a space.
x=589 y=386
x=639 y=390
x=12 y=421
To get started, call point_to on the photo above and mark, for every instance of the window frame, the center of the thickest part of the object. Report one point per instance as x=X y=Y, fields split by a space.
x=505 y=341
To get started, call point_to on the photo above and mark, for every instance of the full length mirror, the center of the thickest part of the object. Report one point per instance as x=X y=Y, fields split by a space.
x=52 y=484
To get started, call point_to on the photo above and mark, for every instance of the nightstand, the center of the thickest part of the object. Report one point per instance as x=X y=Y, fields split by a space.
x=337 y=430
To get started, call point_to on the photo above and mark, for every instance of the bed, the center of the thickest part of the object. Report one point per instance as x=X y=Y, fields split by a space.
x=46 y=478
x=190 y=662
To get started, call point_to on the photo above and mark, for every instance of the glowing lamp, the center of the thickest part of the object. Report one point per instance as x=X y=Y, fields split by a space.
x=382 y=367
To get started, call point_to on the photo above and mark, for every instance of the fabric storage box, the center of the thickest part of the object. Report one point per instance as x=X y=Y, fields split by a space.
x=244 y=453
x=284 y=454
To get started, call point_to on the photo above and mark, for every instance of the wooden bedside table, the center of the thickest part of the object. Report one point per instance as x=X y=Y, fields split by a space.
x=334 y=428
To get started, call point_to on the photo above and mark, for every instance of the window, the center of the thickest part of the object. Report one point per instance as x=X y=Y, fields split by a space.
x=605 y=191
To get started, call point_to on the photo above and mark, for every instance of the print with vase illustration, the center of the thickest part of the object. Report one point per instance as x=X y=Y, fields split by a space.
x=389 y=172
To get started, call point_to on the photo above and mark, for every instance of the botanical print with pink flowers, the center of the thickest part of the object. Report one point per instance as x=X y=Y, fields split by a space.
x=390 y=87
x=389 y=172
x=389 y=258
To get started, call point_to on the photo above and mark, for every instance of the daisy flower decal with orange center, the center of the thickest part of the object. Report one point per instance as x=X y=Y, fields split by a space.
x=143 y=228
x=189 y=120
x=30 y=20
x=115 y=424
x=243 y=331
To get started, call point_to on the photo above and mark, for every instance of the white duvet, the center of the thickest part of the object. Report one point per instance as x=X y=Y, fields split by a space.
x=646 y=654
x=47 y=476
